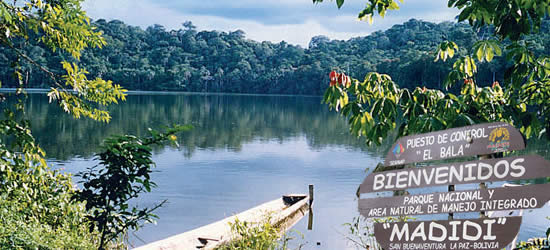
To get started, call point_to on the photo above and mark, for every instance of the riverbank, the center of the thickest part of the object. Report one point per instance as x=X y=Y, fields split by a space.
x=148 y=92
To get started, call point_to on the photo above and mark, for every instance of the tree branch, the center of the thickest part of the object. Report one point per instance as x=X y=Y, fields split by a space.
x=51 y=74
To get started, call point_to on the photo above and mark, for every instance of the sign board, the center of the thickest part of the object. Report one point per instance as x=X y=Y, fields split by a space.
x=494 y=199
x=485 y=233
x=478 y=139
x=500 y=169
x=482 y=233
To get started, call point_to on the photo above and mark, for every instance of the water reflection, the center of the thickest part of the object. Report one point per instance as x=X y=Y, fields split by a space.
x=221 y=122
x=244 y=150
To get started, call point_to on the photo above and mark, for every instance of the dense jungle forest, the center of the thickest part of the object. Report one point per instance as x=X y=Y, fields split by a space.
x=214 y=61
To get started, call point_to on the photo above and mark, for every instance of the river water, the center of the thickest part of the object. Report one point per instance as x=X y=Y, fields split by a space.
x=244 y=150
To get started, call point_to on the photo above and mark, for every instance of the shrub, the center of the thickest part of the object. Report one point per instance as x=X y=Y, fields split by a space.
x=258 y=235
x=36 y=210
x=123 y=173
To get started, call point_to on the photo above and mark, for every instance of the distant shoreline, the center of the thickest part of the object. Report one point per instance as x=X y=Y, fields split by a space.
x=159 y=92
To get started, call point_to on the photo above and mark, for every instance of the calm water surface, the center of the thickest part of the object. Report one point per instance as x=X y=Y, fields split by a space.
x=244 y=150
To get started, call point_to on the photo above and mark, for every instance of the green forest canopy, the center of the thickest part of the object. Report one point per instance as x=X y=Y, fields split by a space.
x=213 y=61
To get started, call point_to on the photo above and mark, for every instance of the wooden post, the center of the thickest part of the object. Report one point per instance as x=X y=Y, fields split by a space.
x=310 y=195
x=310 y=217
x=483 y=185
x=450 y=189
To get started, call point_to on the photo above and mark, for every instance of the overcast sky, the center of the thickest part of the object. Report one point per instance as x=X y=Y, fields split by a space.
x=294 y=21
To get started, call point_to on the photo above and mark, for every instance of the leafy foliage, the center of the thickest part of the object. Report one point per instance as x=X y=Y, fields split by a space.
x=36 y=206
x=446 y=49
x=533 y=244
x=526 y=81
x=261 y=235
x=36 y=210
x=486 y=50
x=511 y=19
x=536 y=243
x=57 y=25
x=95 y=91
x=380 y=6
x=123 y=173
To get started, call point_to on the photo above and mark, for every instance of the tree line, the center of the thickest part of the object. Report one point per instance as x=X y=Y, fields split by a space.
x=214 y=61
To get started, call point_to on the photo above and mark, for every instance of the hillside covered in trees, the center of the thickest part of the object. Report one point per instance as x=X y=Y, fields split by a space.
x=213 y=61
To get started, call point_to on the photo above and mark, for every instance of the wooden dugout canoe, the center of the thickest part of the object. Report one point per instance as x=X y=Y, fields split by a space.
x=283 y=212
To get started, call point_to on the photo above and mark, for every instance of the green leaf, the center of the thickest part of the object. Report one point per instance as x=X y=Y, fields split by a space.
x=496 y=47
x=451 y=52
x=489 y=55
x=465 y=14
x=339 y=3
x=479 y=53
x=463 y=120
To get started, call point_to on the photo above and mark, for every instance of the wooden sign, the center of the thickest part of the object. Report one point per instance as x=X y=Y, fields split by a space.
x=486 y=233
x=500 y=169
x=494 y=199
x=483 y=233
x=479 y=139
